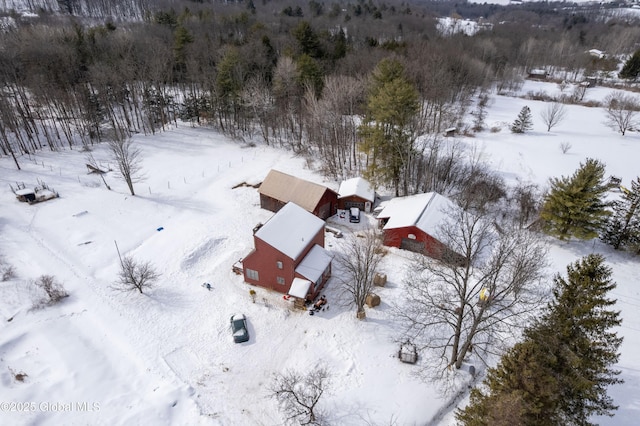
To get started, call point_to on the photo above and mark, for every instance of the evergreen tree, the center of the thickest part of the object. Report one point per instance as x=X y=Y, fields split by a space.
x=581 y=318
x=631 y=68
x=574 y=206
x=524 y=121
x=386 y=134
x=310 y=72
x=560 y=372
x=308 y=40
x=623 y=227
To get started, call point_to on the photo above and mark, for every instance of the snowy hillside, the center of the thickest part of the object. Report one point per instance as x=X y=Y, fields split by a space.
x=104 y=357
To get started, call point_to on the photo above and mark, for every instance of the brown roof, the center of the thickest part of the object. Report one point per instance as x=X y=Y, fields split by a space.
x=285 y=188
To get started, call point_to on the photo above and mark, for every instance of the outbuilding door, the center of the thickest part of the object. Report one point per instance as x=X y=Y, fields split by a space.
x=412 y=245
x=357 y=204
x=324 y=211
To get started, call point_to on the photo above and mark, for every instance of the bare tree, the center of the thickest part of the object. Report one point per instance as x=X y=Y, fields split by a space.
x=526 y=202
x=454 y=308
x=579 y=92
x=136 y=275
x=7 y=271
x=358 y=261
x=298 y=394
x=553 y=114
x=621 y=110
x=127 y=157
x=54 y=292
x=93 y=165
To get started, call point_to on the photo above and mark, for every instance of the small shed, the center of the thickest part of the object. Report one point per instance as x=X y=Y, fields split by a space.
x=450 y=132
x=356 y=192
x=537 y=74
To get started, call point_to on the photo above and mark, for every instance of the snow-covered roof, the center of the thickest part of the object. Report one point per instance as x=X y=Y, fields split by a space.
x=314 y=263
x=285 y=188
x=425 y=211
x=25 y=191
x=290 y=230
x=299 y=288
x=357 y=186
x=538 y=71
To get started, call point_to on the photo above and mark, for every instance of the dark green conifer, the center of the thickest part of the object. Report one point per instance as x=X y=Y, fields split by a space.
x=524 y=121
x=560 y=372
x=623 y=227
x=631 y=68
x=575 y=206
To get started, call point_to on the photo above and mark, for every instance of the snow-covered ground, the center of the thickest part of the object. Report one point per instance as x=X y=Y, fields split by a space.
x=167 y=357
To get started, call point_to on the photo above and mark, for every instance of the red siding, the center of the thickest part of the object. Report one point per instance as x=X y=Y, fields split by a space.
x=433 y=247
x=264 y=259
x=325 y=208
x=327 y=205
x=351 y=199
x=270 y=204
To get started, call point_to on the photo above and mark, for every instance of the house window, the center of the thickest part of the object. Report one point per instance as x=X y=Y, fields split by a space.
x=280 y=280
x=279 y=264
x=252 y=275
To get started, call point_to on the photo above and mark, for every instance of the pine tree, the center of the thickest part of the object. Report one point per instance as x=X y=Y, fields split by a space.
x=631 y=68
x=524 y=121
x=581 y=318
x=521 y=389
x=574 y=206
x=386 y=134
x=623 y=227
x=560 y=372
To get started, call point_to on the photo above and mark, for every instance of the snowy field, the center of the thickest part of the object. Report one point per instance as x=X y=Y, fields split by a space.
x=103 y=357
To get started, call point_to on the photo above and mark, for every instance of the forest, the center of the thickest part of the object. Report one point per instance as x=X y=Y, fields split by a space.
x=311 y=76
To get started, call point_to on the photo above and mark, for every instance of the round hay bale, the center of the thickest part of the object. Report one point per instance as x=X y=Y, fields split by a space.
x=372 y=300
x=379 y=279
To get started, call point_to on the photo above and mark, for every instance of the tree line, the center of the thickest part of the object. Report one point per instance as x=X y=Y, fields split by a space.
x=292 y=76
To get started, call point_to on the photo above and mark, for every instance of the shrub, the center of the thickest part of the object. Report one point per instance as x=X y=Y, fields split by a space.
x=54 y=291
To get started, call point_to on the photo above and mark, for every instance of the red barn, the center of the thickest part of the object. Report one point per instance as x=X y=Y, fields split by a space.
x=279 y=188
x=411 y=223
x=356 y=192
x=289 y=246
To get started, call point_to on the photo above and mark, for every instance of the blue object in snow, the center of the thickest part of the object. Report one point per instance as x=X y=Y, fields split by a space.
x=160 y=229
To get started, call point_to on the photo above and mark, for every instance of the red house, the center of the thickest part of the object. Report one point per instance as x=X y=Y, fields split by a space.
x=411 y=223
x=356 y=192
x=279 y=188
x=290 y=246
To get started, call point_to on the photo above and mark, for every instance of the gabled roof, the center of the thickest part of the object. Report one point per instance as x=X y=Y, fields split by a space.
x=290 y=230
x=314 y=263
x=285 y=188
x=425 y=211
x=357 y=186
